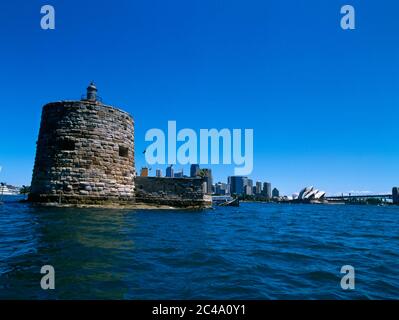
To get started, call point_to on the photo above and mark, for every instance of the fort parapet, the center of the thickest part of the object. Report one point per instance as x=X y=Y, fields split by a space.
x=176 y=192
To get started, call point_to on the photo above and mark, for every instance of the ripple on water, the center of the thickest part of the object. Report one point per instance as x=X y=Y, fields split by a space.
x=256 y=251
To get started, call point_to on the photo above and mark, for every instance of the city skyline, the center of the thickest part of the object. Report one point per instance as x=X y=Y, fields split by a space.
x=158 y=172
x=240 y=185
x=323 y=102
x=186 y=172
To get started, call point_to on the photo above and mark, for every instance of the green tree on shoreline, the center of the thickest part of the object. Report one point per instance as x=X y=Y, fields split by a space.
x=24 y=190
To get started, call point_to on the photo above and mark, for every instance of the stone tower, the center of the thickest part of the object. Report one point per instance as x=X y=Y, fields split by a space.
x=395 y=195
x=85 y=153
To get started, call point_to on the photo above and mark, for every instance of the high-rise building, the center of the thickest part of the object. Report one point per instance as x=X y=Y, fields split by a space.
x=395 y=195
x=221 y=189
x=248 y=187
x=237 y=184
x=267 y=190
x=169 y=172
x=258 y=188
x=158 y=173
x=248 y=190
x=144 y=172
x=194 y=170
x=275 y=193
x=208 y=180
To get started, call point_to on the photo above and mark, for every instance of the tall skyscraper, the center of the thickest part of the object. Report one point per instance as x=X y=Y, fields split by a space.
x=221 y=188
x=169 y=172
x=248 y=187
x=258 y=188
x=158 y=173
x=395 y=195
x=194 y=170
x=208 y=180
x=267 y=190
x=275 y=193
x=237 y=184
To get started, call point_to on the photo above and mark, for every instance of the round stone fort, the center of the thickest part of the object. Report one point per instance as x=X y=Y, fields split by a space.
x=85 y=154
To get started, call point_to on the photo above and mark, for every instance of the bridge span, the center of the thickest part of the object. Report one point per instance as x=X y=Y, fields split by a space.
x=363 y=196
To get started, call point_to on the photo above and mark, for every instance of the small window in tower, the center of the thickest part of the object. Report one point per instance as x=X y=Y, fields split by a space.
x=123 y=152
x=66 y=145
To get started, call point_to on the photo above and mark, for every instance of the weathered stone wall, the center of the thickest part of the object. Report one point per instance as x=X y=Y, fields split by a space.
x=395 y=195
x=85 y=154
x=175 y=192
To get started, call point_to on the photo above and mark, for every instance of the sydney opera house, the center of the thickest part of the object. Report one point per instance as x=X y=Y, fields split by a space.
x=311 y=195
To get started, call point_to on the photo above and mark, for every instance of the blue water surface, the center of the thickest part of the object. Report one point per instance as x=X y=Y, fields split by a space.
x=256 y=251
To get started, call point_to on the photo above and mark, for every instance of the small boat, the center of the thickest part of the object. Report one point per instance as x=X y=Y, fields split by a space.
x=232 y=203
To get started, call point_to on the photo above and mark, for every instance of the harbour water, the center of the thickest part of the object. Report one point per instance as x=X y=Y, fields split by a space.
x=256 y=251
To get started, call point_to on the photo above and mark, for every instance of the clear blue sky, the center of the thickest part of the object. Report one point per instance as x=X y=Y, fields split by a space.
x=323 y=102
